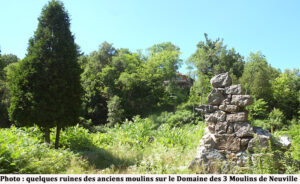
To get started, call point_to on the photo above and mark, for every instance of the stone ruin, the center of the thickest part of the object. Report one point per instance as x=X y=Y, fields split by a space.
x=228 y=133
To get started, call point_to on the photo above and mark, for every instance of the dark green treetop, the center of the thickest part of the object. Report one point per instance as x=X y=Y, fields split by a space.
x=45 y=86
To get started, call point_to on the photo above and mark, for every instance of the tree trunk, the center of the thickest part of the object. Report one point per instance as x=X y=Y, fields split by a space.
x=175 y=106
x=47 y=135
x=57 y=136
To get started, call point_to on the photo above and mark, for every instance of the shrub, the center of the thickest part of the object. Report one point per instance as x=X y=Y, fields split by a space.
x=272 y=160
x=276 y=119
x=76 y=138
x=22 y=152
x=179 y=118
x=258 y=110
x=183 y=117
x=115 y=112
x=294 y=132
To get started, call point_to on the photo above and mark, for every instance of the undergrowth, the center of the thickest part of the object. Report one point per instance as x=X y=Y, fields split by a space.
x=145 y=146
x=137 y=146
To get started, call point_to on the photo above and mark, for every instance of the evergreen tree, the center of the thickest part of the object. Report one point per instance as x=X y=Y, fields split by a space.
x=45 y=86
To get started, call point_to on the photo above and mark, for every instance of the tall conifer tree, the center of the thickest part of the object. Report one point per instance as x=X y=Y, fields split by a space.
x=46 y=87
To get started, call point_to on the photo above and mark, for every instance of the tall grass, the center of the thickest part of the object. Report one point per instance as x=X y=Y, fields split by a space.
x=149 y=146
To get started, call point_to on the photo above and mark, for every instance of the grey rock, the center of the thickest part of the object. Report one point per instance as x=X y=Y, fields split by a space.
x=285 y=140
x=261 y=139
x=238 y=117
x=230 y=128
x=215 y=97
x=206 y=108
x=228 y=108
x=234 y=90
x=243 y=129
x=220 y=81
x=208 y=159
x=215 y=117
x=208 y=141
x=221 y=127
x=241 y=100
x=221 y=90
x=227 y=142
x=211 y=126
x=226 y=101
x=244 y=143
x=242 y=159
x=228 y=133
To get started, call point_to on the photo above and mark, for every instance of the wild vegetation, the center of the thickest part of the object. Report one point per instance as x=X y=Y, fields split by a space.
x=118 y=111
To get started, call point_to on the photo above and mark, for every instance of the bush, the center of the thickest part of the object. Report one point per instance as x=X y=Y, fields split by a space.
x=261 y=123
x=276 y=119
x=115 y=111
x=76 y=138
x=294 y=132
x=183 y=117
x=21 y=151
x=258 y=110
x=180 y=118
x=272 y=161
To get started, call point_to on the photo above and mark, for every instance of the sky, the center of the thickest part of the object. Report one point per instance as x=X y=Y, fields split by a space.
x=269 y=26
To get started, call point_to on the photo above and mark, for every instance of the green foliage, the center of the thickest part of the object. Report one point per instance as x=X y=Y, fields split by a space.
x=212 y=58
x=276 y=119
x=22 y=152
x=115 y=111
x=136 y=79
x=182 y=117
x=45 y=86
x=263 y=123
x=75 y=138
x=285 y=90
x=138 y=146
x=177 y=119
x=6 y=61
x=257 y=77
x=258 y=110
x=94 y=104
x=294 y=132
x=272 y=161
x=200 y=90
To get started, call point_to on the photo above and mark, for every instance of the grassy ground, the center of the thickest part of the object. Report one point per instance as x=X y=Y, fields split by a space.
x=138 y=146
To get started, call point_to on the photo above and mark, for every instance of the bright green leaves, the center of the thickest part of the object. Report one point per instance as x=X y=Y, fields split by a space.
x=138 y=80
x=212 y=58
x=285 y=93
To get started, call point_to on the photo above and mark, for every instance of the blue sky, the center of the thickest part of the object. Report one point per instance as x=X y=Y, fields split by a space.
x=249 y=26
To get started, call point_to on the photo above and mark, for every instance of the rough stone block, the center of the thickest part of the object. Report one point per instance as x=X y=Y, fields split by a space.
x=206 y=108
x=261 y=139
x=221 y=127
x=238 y=117
x=228 y=108
x=243 y=129
x=227 y=142
x=215 y=97
x=215 y=117
x=241 y=100
x=220 y=81
x=211 y=127
x=234 y=90
x=230 y=128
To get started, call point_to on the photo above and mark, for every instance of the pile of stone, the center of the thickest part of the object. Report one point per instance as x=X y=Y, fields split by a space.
x=228 y=134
